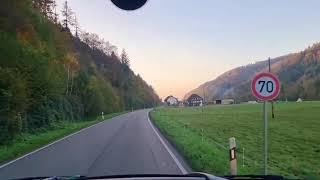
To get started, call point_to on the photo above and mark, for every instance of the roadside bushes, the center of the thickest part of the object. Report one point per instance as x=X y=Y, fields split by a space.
x=13 y=103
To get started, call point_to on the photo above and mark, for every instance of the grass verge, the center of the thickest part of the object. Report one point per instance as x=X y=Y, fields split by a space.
x=26 y=143
x=201 y=135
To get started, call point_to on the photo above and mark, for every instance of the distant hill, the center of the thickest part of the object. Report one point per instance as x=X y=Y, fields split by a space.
x=299 y=74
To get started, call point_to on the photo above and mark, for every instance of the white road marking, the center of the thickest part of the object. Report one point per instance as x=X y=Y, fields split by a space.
x=182 y=169
x=37 y=150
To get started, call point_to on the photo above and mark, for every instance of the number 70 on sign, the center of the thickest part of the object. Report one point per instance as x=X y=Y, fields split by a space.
x=265 y=86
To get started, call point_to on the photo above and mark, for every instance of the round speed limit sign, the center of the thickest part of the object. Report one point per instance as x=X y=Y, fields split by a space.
x=265 y=86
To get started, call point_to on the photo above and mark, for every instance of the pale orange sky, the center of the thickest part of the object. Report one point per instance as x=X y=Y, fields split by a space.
x=178 y=45
x=176 y=75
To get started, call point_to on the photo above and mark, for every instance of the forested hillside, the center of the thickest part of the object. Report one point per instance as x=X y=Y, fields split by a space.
x=299 y=74
x=51 y=71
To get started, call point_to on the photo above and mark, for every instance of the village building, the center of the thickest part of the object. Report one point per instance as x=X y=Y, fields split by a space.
x=195 y=100
x=171 y=101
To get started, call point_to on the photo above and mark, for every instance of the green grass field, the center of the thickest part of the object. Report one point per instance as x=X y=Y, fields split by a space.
x=28 y=142
x=201 y=135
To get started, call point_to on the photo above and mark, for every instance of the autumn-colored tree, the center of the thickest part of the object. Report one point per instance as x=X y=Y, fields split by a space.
x=71 y=65
x=74 y=67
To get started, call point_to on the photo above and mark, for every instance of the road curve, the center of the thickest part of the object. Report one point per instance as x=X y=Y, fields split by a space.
x=127 y=144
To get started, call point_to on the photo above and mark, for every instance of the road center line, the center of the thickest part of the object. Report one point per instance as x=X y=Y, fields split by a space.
x=182 y=169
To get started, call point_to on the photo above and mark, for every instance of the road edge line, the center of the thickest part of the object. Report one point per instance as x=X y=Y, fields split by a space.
x=54 y=142
x=175 y=159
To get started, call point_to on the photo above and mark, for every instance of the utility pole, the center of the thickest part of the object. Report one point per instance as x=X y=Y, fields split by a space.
x=203 y=103
x=204 y=98
x=272 y=110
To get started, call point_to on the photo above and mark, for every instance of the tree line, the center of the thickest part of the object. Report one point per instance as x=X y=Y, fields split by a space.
x=48 y=74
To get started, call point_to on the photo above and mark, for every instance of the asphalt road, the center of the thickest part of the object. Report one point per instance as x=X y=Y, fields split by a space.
x=127 y=144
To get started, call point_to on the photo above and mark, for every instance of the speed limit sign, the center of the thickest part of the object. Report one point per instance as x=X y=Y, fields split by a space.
x=265 y=86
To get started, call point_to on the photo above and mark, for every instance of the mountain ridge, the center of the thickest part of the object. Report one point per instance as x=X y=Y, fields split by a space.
x=298 y=73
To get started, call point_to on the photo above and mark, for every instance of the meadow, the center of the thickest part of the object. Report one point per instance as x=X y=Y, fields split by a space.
x=201 y=135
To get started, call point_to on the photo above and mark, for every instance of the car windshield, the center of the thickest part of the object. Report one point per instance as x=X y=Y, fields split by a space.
x=159 y=87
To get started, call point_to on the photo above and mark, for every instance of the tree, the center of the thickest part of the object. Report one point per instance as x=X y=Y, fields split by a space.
x=71 y=65
x=74 y=67
x=45 y=7
x=48 y=76
x=92 y=40
x=55 y=14
x=14 y=100
x=108 y=48
x=67 y=15
x=95 y=42
x=124 y=59
x=76 y=25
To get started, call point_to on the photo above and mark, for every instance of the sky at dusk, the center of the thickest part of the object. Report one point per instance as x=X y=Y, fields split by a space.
x=176 y=45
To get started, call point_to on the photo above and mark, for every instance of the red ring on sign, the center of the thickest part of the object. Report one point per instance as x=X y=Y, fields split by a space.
x=273 y=95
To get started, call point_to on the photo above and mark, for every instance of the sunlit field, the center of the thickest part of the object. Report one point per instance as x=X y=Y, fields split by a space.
x=201 y=135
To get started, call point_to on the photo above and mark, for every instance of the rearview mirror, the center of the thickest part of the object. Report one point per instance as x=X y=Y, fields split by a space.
x=129 y=5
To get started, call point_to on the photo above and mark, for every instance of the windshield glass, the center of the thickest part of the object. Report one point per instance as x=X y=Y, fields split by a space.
x=116 y=87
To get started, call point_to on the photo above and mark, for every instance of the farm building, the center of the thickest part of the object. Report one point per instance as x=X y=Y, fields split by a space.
x=228 y=101
x=171 y=101
x=252 y=102
x=195 y=100
x=224 y=101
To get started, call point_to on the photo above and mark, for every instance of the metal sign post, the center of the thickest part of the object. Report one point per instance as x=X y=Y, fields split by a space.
x=266 y=87
x=265 y=124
